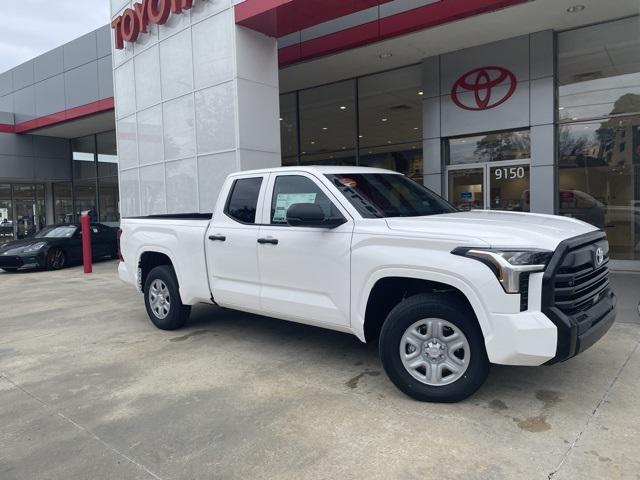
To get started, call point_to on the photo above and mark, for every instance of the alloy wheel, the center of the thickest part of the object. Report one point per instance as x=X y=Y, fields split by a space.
x=159 y=299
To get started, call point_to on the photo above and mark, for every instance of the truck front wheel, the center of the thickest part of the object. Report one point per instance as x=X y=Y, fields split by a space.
x=162 y=299
x=433 y=350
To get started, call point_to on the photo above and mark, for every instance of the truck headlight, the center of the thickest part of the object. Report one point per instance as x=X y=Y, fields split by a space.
x=508 y=265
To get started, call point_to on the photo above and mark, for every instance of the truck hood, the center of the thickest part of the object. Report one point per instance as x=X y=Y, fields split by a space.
x=494 y=229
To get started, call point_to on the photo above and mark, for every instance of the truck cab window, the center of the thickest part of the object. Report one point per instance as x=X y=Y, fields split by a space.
x=243 y=200
x=291 y=189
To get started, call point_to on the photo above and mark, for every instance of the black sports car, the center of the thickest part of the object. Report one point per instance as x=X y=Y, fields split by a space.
x=57 y=246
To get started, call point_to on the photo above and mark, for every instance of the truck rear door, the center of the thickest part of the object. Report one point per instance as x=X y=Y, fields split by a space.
x=231 y=244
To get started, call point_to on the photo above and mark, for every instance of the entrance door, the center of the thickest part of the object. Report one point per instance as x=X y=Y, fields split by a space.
x=494 y=186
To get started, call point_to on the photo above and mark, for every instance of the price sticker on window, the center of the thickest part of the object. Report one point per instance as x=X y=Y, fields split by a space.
x=285 y=200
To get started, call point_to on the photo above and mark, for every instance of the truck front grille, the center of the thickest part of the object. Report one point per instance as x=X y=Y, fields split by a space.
x=576 y=295
x=581 y=281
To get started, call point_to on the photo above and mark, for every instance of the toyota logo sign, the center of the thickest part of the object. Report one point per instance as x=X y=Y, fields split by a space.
x=482 y=82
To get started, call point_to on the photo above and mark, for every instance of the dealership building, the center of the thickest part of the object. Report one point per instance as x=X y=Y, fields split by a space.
x=499 y=104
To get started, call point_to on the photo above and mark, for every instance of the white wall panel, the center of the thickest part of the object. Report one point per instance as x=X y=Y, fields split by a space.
x=194 y=122
x=125 y=90
x=147 y=66
x=182 y=185
x=127 y=143
x=176 y=66
x=152 y=190
x=150 y=142
x=213 y=65
x=215 y=118
x=212 y=172
x=179 y=128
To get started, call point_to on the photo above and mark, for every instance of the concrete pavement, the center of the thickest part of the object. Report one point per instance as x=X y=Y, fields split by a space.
x=89 y=389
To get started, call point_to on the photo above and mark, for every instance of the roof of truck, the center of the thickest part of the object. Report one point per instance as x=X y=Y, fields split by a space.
x=319 y=169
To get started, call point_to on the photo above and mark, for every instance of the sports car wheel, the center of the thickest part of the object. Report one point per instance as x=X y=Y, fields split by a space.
x=56 y=259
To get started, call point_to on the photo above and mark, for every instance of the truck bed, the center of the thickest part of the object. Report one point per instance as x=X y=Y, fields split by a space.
x=179 y=237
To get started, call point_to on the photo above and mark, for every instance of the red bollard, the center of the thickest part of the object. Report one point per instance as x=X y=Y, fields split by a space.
x=86 y=243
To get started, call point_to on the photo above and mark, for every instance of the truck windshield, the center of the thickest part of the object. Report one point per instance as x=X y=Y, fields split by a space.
x=381 y=195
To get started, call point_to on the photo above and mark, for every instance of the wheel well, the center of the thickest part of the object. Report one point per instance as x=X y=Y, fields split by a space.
x=149 y=261
x=389 y=292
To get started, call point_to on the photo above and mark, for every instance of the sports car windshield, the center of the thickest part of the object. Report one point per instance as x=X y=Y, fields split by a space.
x=381 y=195
x=64 y=231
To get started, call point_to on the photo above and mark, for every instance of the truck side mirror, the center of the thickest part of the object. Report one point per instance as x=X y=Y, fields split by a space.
x=310 y=215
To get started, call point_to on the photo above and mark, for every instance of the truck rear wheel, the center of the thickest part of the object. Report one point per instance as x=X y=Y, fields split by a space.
x=162 y=299
x=432 y=349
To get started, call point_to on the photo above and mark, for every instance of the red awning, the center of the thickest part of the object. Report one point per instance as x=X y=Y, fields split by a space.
x=281 y=17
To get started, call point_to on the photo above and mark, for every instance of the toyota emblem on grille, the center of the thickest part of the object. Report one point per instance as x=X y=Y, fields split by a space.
x=483 y=83
x=599 y=256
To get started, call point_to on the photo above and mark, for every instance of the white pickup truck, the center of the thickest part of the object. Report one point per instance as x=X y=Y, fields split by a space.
x=372 y=253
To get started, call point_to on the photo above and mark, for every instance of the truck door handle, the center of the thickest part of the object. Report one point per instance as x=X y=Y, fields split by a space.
x=272 y=241
x=217 y=238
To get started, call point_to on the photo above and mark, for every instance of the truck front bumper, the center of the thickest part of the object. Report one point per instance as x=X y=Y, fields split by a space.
x=526 y=338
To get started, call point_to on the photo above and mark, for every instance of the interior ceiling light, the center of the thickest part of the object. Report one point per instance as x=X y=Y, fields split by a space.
x=342 y=107
x=420 y=93
x=576 y=8
x=385 y=119
x=325 y=128
x=386 y=55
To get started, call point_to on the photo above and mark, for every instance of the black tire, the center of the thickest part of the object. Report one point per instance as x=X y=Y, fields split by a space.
x=56 y=259
x=433 y=306
x=9 y=270
x=177 y=313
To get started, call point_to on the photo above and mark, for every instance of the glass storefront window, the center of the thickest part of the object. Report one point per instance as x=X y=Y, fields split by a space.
x=25 y=210
x=95 y=181
x=600 y=180
x=107 y=154
x=406 y=158
x=85 y=197
x=63 y=203
x=345 y=157
x=84 y=150
x=599 y=133
x=6 y=213
x=492 y=147
x=109 y=200
x=598 y=70
x=328 y=123
x=381 y=127
x=390 y=107
x=41 y=212
x=289 y=128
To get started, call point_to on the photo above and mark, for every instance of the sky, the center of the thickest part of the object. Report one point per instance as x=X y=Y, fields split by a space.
x=29 y=28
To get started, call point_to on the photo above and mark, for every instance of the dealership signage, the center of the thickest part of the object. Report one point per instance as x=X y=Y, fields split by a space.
x=489 y=86
x=136 y=20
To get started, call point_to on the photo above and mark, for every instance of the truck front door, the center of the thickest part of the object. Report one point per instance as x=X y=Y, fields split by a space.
x=231 y=245
x=304 y=272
